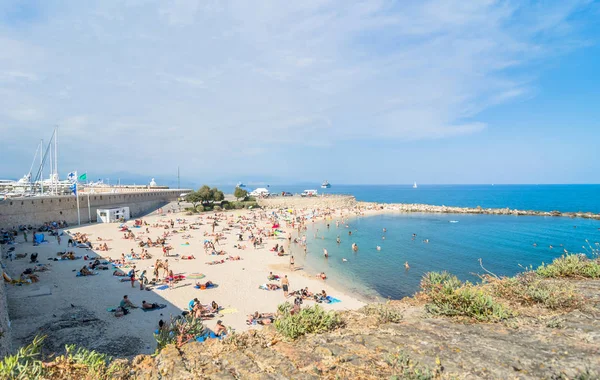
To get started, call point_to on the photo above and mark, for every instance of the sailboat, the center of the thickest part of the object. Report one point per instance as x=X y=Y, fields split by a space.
x=415 y=185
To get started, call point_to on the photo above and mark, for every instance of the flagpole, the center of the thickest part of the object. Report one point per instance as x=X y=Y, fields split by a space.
x=78 y=214
x=89 y=208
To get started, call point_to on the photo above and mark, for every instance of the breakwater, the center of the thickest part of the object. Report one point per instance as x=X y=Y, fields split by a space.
x=37 y=210
x=431 y=209
x=318 y=202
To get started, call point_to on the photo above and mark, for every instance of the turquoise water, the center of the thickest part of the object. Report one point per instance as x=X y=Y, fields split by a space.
x=565 y=198
x=502 y=242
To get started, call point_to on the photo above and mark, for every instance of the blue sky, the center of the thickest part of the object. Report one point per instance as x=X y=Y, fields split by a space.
x=378 y=91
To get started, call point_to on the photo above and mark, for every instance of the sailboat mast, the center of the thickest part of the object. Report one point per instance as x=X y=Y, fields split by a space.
x=55 y=177
x=41 y=164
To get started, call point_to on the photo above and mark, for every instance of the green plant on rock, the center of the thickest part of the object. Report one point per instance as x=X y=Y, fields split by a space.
x=25 y=364
x=447 y=296
x=384 y=313
x=179 y=331
x=309 y=320
x=570 y=265
x=529 y=289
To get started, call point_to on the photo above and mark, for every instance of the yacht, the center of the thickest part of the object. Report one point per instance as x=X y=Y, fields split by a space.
x=415 y=185
x=240 y=184
x=325 y=185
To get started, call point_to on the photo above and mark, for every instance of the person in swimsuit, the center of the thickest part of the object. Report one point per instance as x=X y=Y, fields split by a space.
x=285 y=283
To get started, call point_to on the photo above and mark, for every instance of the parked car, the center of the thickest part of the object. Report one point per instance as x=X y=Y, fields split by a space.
x=287 y=194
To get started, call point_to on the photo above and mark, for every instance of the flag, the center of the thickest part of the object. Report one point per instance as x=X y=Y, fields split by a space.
x=72 y=176
x=74 y=188
x=83 y=177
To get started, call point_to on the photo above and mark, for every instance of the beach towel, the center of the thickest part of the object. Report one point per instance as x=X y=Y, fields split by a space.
x=162 y=287
x=333 y=300
x=185 y=244
x=196 y=276
x=161 y=306
x=39 y=238
x=229 y=310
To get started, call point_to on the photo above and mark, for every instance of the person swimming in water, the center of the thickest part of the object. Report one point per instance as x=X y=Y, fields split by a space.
x=325 y=252
x=406 y=265
x=338 y=239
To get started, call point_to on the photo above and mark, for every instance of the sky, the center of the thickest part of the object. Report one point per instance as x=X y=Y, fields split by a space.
x=355 y=92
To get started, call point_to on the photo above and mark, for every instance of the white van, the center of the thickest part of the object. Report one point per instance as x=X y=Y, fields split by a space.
x=260 y=192
x=309 y=193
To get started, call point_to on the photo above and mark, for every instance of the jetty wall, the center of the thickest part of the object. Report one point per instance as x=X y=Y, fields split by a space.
x=322 y=201
x=37 y=210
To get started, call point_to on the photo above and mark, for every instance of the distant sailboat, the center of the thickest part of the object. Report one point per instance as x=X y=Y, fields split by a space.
x=415 y=185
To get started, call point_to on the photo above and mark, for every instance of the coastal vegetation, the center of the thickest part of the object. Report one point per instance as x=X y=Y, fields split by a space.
x=446 y=295
x=240 y=193
x=571 y=266
x=309 y=320
x=205 y=195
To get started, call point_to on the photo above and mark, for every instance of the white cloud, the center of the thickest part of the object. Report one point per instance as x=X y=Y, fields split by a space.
x=177 y=76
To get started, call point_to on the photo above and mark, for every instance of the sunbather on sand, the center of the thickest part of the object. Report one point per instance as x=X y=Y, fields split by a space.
x=85 y=271
x=215 y=262
x=272 y=276
x=234 y=258
x=150 y=306
x=206 y=285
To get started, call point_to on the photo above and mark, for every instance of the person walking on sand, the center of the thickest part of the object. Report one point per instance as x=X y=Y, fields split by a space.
x=285 y=284
x=292 y=263
x=58 y=239
x=25 y=235
x=166 y=267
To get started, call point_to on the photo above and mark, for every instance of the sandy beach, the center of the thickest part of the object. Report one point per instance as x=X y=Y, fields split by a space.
x=72 y=309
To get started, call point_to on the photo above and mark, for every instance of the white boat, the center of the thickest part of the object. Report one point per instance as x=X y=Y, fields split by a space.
x=415 y=185
x=240 y=184
x=325 y=185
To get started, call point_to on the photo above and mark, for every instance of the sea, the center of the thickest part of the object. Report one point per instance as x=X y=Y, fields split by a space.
x=461 y=244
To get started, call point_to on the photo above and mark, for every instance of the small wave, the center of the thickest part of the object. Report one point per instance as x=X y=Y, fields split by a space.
x=454 y=221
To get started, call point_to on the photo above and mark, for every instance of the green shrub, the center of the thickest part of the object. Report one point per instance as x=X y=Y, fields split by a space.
x=443 y=281
x=25 y=364
x=217 y=208
x=528 y=289
x=449 y=297
x=208 y=208
x=383 y=312
x=179 y=330
x=312 y=319
x=77 y=363
x=570 y=265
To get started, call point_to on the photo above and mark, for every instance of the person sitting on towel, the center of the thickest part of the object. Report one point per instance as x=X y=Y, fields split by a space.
x=150 y=306
x=85 y=271
x=126 y=303
x=68 y=256
x=214 y=307
x=33 y=258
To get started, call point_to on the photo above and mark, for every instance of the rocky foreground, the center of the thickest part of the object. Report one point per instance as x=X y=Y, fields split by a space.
x=535 y=344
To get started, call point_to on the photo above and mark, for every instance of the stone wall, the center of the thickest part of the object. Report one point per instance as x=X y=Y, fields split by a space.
x=5 y=345
x=322 y=201
x=37 y=210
